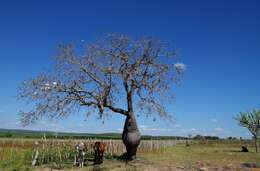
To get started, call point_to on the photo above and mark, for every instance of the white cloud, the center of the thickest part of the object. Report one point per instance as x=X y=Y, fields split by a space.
x=214 y=120
x=177 y=125
x=193 y=129
x=119 y=129
x=45 y=125
x=180 y=67
x=143 y=126
x=146 y=128
x=219 y=129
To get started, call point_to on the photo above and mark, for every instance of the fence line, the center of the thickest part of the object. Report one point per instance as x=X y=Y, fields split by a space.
x=112 y=146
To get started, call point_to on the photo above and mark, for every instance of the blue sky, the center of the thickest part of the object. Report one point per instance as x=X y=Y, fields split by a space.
x=219 y=41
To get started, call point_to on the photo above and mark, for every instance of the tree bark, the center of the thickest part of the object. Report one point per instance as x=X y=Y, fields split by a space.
x=256 y=146
x=131 y=136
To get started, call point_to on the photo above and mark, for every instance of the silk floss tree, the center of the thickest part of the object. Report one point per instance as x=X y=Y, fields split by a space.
x=113 y=75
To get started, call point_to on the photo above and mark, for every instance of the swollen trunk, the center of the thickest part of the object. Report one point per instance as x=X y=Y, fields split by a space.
x=131 y=136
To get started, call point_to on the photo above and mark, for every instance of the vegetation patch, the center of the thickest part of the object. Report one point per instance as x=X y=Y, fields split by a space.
x=58 y=154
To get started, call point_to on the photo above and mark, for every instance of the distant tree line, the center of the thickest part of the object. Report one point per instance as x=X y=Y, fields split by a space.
x=207 y=137
x=61 y=135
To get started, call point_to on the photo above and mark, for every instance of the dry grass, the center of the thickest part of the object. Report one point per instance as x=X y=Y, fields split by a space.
x=113 y=146
x=160 y=155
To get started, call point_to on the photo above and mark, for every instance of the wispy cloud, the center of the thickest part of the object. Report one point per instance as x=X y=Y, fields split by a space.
x=218 y=129
x=57 y=127
x=193 y=129
x=119 y=129
x=214 y=120
x=18 y=123
x=44 y=125
x=149 y=129
x=177 y=125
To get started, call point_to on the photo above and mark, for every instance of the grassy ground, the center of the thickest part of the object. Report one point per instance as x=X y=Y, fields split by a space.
x=202 y=156
x=198 y=156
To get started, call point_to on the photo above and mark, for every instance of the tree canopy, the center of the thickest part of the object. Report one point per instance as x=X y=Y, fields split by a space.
x=112 y=75
x=251 y=121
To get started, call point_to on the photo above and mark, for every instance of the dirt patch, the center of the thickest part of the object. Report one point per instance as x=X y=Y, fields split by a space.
x=205 y=166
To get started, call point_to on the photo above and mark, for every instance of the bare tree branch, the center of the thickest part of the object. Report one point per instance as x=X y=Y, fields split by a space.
x=113 y=72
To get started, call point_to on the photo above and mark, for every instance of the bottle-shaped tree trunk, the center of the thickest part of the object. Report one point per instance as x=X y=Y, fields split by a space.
x=131 y=136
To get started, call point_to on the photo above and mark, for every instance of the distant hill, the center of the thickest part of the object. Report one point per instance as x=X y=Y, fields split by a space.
x=21 y=133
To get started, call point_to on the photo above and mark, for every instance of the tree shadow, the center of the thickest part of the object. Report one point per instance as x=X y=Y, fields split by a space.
x=138 y=161
x=251 y=165
x=122 y=157
x=97 y=166
x=235 y=151
x=93 y=162
x=238 y=151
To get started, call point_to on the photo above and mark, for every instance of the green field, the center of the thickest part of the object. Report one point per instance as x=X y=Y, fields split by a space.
x=16 y=154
